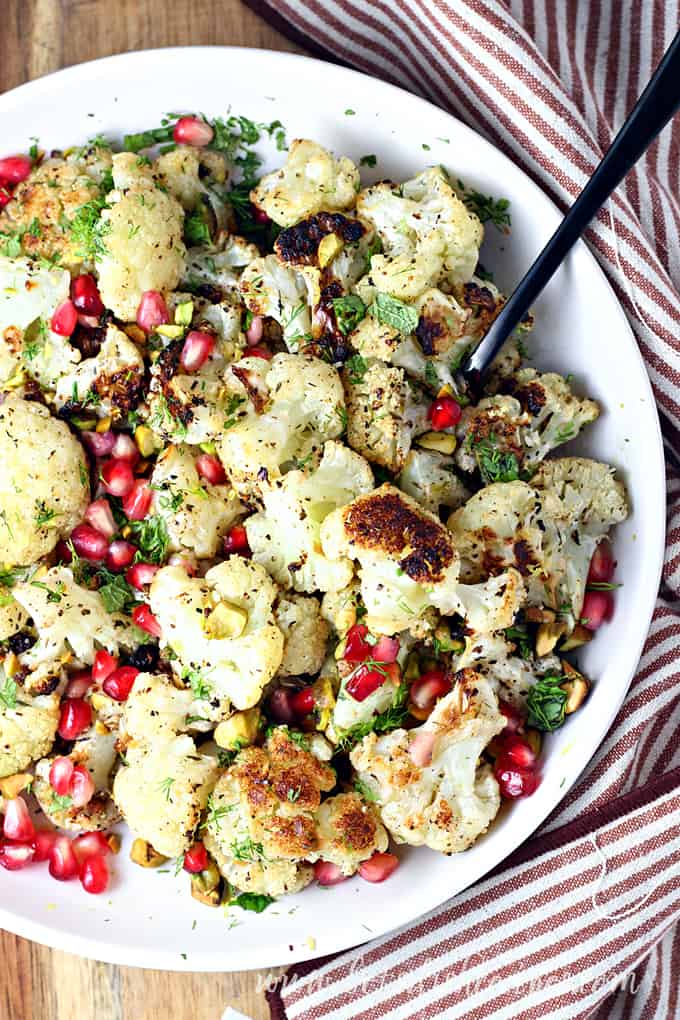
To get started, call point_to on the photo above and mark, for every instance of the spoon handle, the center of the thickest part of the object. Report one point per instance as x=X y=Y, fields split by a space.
x=653 y=110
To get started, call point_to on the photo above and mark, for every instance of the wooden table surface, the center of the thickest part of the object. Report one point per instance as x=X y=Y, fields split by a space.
x=36 y=37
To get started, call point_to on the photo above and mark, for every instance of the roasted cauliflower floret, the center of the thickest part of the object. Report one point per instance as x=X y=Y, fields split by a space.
x=221 y=626
x=163 y=790
x=447 y=800
x=285 y=536
x=27 y=728
x=430 y=477
x=382 y=416
x=302 y=407
x=111 y=383
x=196 y=513
x=155 y=709
x=349 y=832
x=12 y=616
x=305 y=632
x=271 y=289
x=310 y=180
x=44 y=488
x=220 y=265
x=183 y=171
x=490 y=438
x=374 y=339
x=97 y=753
x=142 y=237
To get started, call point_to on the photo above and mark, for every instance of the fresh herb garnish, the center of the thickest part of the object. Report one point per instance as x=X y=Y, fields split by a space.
x=257 y=902
x=494 y=465
x=152 y=538
x=392 y=312
x=43 y=514
x=357 y=367
x=520 y=636
x=117 y=595
x=385 y=721
x=546 y=704
x=88 y=230
x=53 y=594
x=486 y=208
x=246 y=850
x=60 y=803
x=196 y=231
x=8 y=693
x=165 y=786
x=349 y=311
x=364 y=791
x=369 y=160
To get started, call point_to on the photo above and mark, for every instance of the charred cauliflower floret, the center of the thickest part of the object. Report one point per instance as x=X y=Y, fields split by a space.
x=221 y=264
x=430 y=477
x=305 y=632
x=269 y=288
x=284 y=427
x=428 y=784
x=374 y=339
x=285 y=536
x=349 y=832
x=44 y=487
x=490 y=438
x=310 y=180
x=382 y=416
x=221 y=627
x=27 y=727
x=97 y=753
x=142 y=237
x=196 y=513
x=111 y=383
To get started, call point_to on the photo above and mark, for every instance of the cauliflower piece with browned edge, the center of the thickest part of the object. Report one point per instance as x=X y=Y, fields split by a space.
x=348 y=832
x=306 y=634
x=109 y=384
x=430 y=477
x=97 y=753
x=279 y=291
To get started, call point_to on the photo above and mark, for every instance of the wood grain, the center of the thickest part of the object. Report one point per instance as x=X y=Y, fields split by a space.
x=39 y=36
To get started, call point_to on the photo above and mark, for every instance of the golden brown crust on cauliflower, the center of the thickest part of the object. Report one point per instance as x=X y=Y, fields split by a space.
x=310 y=180
x=306 y=633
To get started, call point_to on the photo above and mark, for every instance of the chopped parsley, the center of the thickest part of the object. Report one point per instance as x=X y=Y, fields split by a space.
x=486 y=208
x=200 y=688
x=53 y=594
x=364 y=791
x=152 y=538
x=370 y=160
x=494 y=465
x=520 y=636
x=392 y=312
x=8 y=693
x=546 y=704
x=230 y=410
x=349 y=311
x=59 y=803
x=196 y=230
x=257 y=902
x=385 y=721
x=357 y=367
x=117 y=595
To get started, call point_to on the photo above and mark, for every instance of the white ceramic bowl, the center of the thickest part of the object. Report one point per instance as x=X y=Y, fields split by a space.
x=148 y=917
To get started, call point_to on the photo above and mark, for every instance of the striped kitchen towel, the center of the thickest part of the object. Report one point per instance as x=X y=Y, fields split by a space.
x=584 y=920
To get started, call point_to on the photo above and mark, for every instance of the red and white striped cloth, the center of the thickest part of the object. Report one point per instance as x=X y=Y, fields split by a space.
x=584 y=920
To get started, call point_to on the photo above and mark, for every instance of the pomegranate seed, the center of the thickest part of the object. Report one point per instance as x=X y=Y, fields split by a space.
x=420 y=748
x=100 y=516
x=196 y=859
x=137 y=502
x=74 y=718
x=120 y=555
x=62 y=860
x=61 y=771
x=117 y=477
x=85 y=295
x=519 y=752
x=90 y=844
x=15 y=169
x=64 y=319
x=357 y=648
x=125 y=448
x=328 y=874
x=363 y=682
x=82 y=787
x=141 y=574
x=79 y=684
x=197 y=349
x=119 y=684
x=43 y=842
x=94 y=875
x=103 y=666
x=236 y=541
x=280 y=705
x=64 y=554
x=603 y=564
x=514 y=781
x=598 y=607
x=260 y=352
x=255 y=331
x=378 y=867
x=100 y=444
x=89 y=543
x=152 y=311
x=444 y=413
x=260 y=216
x=210 y=468
x=514 y=720
x=15 y=856
x=303 y=701
x=192 y=131
x=17 y=822
x=145 y=620
x=428 y=688
x=386 y=649
x=5 y=197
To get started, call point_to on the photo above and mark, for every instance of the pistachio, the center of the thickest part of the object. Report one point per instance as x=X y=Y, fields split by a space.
x=113 y=839
x=146 y=440
x=11 y=664
x=579 y=636
x=539 y=614
x=346 y=618
x=226 y=621
x=238 y=730
x=206 y=886
x=576 y=687
x=170 y=330
x=103 y=425
x=11 y=786
x=143 y=853
x=547 y=636
x=330 y=246
x=442 y=442
x=136 y=333
x=534 y=739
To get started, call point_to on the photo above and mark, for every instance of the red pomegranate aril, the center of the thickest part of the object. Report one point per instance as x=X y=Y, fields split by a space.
x=421 y=747
x=152 y=311
x=64 y=318
x=85 y=295
x=141 y=574
x=17 y=824
x=378 y=867
x=386 y=649
x=520 y=752
x=187 y=563
x=303 y=701
x=94 y=875
x=117 y=477
x=79 y=684
x=104 y=664
x=100 y=444
x=210 y=468
x=62 y=863
x=598 y=607
x=198 y=347
x=100 y=516
x=602 y=565
x=429 y=687
x=280 y=705
x=260 y=352
x=328 y=874
x=125 y=448
x=81 y=789
x=363 y=682
x=514 y=781
x=61 y=771
x=119 y=684
x=88 y=321
x=514 y=720
x=15 y=856
x=15 y=169
x=137 y=503
x=196 y=859
x=89 y=543
x=63 y=553
x=236 y=541
x=5 y=196
x=75 y=716
x=357 y=648
x=90 y=844
x=444 y=413
x=260 y=216
x=120 y=555
x=192 y=131
x=145 y=620
x=255 y=331
x=43 y=842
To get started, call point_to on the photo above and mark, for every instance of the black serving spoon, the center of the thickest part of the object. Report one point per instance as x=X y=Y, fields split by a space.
x=653 y=110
